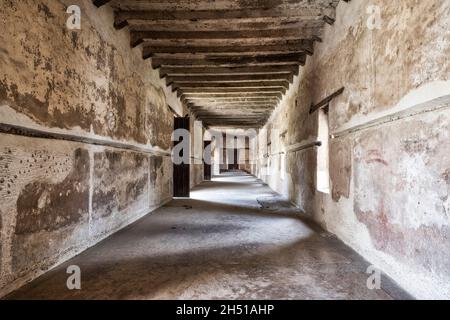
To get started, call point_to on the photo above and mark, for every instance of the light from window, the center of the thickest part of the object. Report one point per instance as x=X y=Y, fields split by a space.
x=323 y=160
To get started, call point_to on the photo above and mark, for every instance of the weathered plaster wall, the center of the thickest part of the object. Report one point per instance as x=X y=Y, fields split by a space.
x=60 y=197
x=196 y=174
x=390 y=158
x=197 y=135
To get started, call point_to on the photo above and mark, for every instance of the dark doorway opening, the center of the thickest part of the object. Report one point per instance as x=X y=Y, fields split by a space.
x=181 y=172
x=233 y=164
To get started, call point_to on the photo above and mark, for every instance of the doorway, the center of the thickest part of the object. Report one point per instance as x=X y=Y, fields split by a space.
x=233 y=163
x=181 y=172
x=207 y=161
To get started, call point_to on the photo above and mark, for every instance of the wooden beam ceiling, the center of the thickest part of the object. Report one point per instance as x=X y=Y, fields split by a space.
x=230 y=61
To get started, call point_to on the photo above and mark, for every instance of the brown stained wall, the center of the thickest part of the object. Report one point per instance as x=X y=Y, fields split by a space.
x=48 y=214
x=45 y=208
x=405 y=202
x=341 y=168
x=45 y=202
x=80 y=79
x=120 y=181
x=301 y=178
x=390 y=182
x=196 y=174
x=58 y=197
x=161 y=179
x=1 y=244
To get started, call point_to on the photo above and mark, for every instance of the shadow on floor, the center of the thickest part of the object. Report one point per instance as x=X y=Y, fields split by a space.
x=221 y=245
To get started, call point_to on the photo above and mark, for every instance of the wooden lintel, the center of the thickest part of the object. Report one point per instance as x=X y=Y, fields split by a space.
x=326 y=101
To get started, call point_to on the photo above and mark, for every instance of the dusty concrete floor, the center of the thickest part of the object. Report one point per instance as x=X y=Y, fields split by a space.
x=220 y=244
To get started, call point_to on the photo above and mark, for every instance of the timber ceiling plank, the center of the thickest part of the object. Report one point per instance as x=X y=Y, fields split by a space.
x=190 y=60
x=227 y=78
x=177 y=71
x=228 y=5
x=296 y=46
x=241 y=85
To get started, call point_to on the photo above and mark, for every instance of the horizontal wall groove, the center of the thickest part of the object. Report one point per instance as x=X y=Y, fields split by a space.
x=295 y=148
x=42 y=134
x=435 y=105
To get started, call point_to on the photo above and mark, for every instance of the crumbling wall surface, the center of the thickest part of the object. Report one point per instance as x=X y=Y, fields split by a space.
x=197 y=137
x=45 y=202
x=85 y=141
x=86 y=81
x=196 y=173
x=126 y=184
x=390 y=146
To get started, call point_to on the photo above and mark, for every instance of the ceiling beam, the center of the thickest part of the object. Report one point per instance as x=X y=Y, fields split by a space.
x=233 y=99
x=237 y=78
x=233 y=109
x=235 y=105
x=238 y=119
x=248 y=115
x=243 y=99
x=243 y=105
x=189 y=60
x=180 y=71
x=233 y=113
x=238 y=109
x=227 y=116
x=230 y=108
x=225 y=90
x=281 y=34
x=269 y=23
x=275 y=95
x=232 y=103
x=241 y=85
x=225 y=127
x=302 y=13
x=222 y=4
x=300 y=46
x=223 y=42
x=233 y=124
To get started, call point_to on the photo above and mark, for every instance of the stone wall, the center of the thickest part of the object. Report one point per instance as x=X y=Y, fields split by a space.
x=85 y=142
x=197 y=137
x=390 y=151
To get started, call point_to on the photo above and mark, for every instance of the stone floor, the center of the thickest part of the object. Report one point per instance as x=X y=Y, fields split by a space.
x=235 y=239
